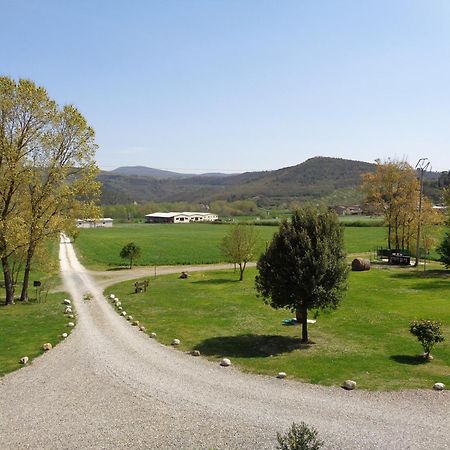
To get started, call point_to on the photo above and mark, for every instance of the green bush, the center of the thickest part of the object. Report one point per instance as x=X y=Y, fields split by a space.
x=428 y=332
x=444 y=250
x=299 y=437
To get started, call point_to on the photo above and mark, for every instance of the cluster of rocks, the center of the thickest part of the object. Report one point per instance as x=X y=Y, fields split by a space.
x=68 y=312
x=118 y=305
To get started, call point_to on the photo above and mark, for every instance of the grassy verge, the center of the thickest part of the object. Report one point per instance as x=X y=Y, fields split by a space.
x=366 y=339
x=187 y=244
x=25 y=327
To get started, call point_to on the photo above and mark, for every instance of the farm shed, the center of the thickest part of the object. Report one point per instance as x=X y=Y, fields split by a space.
x=105 y=222
x=180 y=217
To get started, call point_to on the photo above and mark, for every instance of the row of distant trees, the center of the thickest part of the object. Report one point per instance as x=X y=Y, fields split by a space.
x=133 y=211
x=47 y=176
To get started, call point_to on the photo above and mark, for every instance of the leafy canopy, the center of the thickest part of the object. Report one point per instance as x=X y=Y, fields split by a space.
x=131 y=252
x=428 y=333
x=239 y=245
x=304 y=267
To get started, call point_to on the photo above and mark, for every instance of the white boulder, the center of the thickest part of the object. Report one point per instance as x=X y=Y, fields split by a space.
x=153 y=335
x=24 y=360
x=130 y=318
x=176 y=342
x=112 y=296
x=196 y=353
x=68 y=310
x=47 y=346
x=64 y=335
x=71 y=324
x=67 y=301
x=225 y=362
x=349 y=385
x=439 y=386
x=281 y=375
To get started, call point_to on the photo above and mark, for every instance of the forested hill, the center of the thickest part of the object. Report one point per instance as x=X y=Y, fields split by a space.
x=332 y=180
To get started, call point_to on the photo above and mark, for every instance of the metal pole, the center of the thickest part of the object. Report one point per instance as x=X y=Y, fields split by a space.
x=422 y=165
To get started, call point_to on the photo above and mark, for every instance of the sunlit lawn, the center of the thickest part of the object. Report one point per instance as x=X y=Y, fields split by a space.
x=366 y=339
x=25 y=327
x=187 y=243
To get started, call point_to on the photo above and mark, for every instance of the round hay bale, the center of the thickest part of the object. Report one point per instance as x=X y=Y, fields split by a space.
x=360 y=264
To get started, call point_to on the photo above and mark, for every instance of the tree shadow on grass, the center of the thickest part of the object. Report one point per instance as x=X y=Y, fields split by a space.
x=216 y=281
x=250 y=345
x=423 y=274
x=412 y=360
x=440 y=278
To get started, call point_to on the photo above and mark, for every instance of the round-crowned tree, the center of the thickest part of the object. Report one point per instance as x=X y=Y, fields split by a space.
x=428 y=333
x=304 y=266
x=131 y=252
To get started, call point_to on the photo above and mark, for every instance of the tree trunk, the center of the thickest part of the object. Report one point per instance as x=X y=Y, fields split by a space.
x=301 y=314
x=241 y=271
x=9 y=286
x=26 y=275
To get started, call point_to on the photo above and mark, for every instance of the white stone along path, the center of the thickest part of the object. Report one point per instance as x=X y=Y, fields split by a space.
x=109 y=386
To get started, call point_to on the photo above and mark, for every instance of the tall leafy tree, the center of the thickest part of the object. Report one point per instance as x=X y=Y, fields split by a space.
x=304 y=266
x=239 y=246
x=393 y=191
x=46 y=171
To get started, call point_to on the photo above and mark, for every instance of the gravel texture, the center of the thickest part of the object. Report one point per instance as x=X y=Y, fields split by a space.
x=109 y=386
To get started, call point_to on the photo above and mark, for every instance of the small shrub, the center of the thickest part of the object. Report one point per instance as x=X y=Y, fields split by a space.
x=428 y=332
x=299 y=437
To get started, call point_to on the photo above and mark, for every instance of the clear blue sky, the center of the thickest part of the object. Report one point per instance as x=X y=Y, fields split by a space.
x=237 y=85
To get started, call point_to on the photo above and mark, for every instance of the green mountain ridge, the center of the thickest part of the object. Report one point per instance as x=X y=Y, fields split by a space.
x=313 y=180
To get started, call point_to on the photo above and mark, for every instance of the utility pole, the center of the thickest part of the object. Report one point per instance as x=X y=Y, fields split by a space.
x=422 y=165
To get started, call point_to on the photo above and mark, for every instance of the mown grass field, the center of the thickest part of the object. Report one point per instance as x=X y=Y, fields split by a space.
x=25 y=327
x=366 y=339
x=186 y=244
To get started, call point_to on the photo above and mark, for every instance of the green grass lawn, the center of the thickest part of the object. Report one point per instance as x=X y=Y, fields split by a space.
x=25 y=327
x=367 y=339
x=187 y=244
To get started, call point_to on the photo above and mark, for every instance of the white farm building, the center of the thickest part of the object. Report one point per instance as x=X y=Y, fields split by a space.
x=180 y=217
x=105 y=222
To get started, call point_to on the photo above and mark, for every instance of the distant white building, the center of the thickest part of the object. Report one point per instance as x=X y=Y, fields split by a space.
x=180 y=217
x=105 y=222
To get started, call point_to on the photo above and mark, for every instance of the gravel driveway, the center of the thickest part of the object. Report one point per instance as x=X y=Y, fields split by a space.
x=109 y=386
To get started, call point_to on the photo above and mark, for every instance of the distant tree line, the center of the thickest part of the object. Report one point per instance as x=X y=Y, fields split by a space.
x=135 y=211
